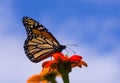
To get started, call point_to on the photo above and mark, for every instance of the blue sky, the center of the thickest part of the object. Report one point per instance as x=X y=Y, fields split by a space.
x=94 y=25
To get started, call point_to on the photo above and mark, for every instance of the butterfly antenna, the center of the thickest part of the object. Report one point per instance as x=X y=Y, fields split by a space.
x=72 y=45
x=66 y=51
x=51 y=57
x=71 y=50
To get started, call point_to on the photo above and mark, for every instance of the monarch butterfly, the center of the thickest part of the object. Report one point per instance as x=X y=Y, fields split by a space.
x=40 y=43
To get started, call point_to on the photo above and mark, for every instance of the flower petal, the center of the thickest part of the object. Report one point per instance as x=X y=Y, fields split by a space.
x=75 y=58
x=58 y=55
x=46 y=64
x=34 y=79
x=83 y=63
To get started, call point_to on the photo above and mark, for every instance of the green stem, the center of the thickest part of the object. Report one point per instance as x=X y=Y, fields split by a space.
x=53 y=81
x=65 y=78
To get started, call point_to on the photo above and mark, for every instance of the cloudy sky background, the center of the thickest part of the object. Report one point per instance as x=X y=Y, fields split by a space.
x=94 y=25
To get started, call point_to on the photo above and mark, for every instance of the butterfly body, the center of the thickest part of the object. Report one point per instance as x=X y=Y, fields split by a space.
x=40 y=43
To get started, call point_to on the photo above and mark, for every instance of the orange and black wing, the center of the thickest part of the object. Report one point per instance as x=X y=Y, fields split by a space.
x=40 y=43
x=34 y=28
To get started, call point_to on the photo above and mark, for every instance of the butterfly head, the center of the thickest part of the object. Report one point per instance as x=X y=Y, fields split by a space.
x=60 y=48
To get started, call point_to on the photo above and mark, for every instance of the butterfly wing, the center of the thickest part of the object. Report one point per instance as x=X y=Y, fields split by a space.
x=34 y=28
x=38 y=48
x=40 y=43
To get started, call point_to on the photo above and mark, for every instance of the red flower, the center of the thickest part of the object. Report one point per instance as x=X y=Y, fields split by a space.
x=75 y=58
x=61 y=65
x=62 y=62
